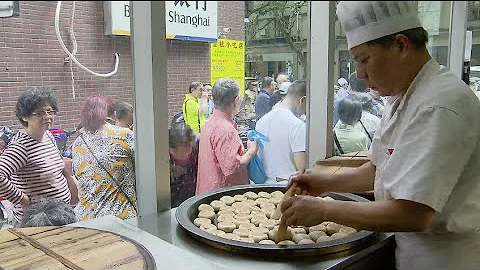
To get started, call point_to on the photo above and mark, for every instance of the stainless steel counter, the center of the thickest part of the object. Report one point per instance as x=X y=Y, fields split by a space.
x=378 y=255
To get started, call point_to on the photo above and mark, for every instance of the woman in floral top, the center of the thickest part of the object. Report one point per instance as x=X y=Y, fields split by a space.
x=103 y=162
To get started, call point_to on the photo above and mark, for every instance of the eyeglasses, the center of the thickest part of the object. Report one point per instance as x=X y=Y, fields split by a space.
x=43 y=113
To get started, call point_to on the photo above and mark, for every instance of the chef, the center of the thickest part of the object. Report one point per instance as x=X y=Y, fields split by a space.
x=425 y=158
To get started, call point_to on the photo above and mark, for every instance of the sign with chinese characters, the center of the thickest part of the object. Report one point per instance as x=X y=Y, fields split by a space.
x=192 y=20
x=185 y=20
x=227 y=60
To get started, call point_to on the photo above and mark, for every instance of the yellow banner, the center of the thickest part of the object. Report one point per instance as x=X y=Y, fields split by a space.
x=227 y=60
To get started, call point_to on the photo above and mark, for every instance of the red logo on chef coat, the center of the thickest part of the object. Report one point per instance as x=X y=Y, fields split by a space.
x=390 y=151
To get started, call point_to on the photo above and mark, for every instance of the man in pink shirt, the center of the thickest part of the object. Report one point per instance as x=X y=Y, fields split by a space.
x=222 y=160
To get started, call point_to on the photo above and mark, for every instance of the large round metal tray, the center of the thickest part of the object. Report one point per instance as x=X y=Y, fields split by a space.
x=188 y=211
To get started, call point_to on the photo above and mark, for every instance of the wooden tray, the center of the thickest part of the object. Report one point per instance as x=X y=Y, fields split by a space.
x=70 y=248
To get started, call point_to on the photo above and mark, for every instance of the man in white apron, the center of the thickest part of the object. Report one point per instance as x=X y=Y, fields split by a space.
x=425 y=157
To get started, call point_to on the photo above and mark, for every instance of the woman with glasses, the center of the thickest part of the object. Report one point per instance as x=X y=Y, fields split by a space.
x=103 y=162
x=31 y=167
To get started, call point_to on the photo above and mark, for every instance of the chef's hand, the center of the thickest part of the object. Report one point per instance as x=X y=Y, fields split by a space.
x=303 y=211
x=309 y=182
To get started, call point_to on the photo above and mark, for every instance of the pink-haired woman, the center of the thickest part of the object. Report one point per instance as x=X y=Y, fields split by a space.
x=103 y=162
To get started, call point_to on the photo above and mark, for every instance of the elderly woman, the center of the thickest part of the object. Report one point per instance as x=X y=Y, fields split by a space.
x=103 y=162
x=31 y=167
x=348 y=137
x=123 y=112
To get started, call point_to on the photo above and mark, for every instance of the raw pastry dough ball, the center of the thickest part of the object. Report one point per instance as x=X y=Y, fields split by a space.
x=254 y=208
x=207 y=214
x=333 y=228
x=226 y=213
x=206 y=227
x=277 y=193
x=216 y=204
x=338 y=235
x=269 y=224
x=240 y=198
x=231 y=236
x=243 y=210
x=205 y=207
x=273 y=232
x=299 y=236
x=298 y=230
x=247 y=226
x=286 y=242
x=246 y=240
x=319 y=227
x=227 y=226
x=323 y=239
x=259 y=230
x=226 y=207
x=215 y=232
x=267 y=205
x=261 y=200
x=228 y=200
x=239 y=205
x=267 y=242
x=242 y=232
x=199 y=221
x=347 y=230
x=257 y=219
x=239 y=221
x=257 y=237
x=225 y=218
x=275 y=200
x=250 y=203
x=251 y=195
x=306 y=242
x=325 y=223
x=316 y=234
x=263 y=194
x=243 y=215
x=269 y=212
x=259 y=213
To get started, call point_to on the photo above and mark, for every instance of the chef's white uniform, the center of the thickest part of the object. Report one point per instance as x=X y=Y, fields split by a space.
x=427 y=150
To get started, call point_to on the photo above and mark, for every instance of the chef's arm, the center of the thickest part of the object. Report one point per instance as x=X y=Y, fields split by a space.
x=387 y=216
x=359 y=179
x=300 y=160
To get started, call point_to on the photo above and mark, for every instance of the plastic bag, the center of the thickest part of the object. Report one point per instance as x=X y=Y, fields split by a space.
x=256 y=173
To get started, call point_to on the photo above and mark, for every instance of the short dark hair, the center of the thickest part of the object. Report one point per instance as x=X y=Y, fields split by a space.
x=122 y=109
x=356 y=84
x=349 y=111
x=180 y=134
x=297 y=89
x=33 y=99
x=225 y=91
x=266 y=82
x=418 y=36
x=194 y=85
x=48 y=212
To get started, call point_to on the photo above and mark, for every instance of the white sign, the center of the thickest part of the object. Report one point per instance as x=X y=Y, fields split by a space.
x=185 y=20
x=192 y=20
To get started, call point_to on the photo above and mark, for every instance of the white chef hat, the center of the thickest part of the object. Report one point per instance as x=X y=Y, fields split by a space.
x=365 y=21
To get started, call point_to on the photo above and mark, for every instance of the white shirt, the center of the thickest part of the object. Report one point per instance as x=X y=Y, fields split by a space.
x=287 y=134
x=427 y=150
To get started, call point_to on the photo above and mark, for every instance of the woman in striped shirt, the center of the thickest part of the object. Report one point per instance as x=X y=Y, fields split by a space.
x=31 y=167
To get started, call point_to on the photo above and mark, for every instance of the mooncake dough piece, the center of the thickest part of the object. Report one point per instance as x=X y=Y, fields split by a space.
x=228 y=200
x=242 y=232
x=239 y=205
x=205 y=207
x=259 y=230
x=257 y=237
x=263 y=194
x=226 y=213
x=306 y=242
x=226 y=226
x=338 y=235
x=215 y=232
x=325 y=223
x=299 y=236
x=246 y=240
x=227 y=207
x=318 y=227
x=225 y=218
x=269 y=223
x=268 y=205
x=267 y=242
x=231 y=236
x=254 y=208
x=250 y=202
x=207 y=214
x=323 y=239
x=269 y=212
x=247 y=226
x=275 y=200
x=257 y=219
x=244 y=215
x=285 y=243
x=316 y=234
x=347 y=230
x=261 y=200
x=206 y=227
x=239 y=221
x=277 y=193
x=243 y=210
x=298 y=230
x=273 y=232
x=333 y=228
x=258 y=213
x=199 y=221
x=216 y=204
x=240 y=198
x=250 y=195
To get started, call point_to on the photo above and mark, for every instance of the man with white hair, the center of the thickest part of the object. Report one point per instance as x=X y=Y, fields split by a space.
x=424 y=157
